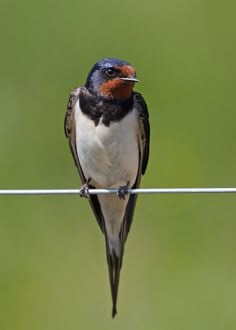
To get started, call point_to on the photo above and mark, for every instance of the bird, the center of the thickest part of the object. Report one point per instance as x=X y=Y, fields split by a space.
x=107 y=126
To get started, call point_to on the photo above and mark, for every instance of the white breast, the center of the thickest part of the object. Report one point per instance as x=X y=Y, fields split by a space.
x=108 y=155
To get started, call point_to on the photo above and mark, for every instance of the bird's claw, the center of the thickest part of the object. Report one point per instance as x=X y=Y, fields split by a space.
x=84 y=190
x=122 y=191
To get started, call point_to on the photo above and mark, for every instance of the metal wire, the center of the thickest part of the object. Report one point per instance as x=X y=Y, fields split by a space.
x=114 y=191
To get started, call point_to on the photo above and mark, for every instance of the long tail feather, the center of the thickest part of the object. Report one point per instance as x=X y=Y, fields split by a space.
x=114 y=266
x=115 y=262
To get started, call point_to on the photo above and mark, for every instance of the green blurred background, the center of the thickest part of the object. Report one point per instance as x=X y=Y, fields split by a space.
x=179 y=268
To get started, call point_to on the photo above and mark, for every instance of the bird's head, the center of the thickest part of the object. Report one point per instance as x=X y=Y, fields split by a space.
x=112 y=79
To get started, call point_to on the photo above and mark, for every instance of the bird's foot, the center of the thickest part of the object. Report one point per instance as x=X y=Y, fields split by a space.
x=122 y=191
x=84 y=190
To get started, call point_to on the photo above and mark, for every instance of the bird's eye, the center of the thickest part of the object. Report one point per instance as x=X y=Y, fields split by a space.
x=110 y=72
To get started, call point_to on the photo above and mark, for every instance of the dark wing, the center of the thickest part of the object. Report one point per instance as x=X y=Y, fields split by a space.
x=69 y=128
x=144 y=140
x=144 y=129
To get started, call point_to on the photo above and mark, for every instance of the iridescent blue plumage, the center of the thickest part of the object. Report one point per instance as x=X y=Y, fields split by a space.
x=102 y=65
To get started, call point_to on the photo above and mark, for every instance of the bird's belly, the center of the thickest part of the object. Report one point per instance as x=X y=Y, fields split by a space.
x=108 y=155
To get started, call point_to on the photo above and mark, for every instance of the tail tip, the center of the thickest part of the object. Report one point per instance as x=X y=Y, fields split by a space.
x=114 y=312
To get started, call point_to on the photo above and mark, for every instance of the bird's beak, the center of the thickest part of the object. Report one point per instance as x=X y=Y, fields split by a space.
x=131 y=79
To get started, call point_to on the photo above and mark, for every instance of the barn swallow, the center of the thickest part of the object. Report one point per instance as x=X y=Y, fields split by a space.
x=107 y=125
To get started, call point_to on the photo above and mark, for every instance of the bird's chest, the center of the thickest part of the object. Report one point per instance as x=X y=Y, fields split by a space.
x=108 y=155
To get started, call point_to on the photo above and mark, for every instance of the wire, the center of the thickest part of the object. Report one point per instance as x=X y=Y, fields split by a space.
x=114 y=191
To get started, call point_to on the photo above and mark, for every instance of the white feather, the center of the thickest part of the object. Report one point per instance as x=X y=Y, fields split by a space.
x=110 y=157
